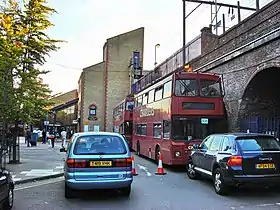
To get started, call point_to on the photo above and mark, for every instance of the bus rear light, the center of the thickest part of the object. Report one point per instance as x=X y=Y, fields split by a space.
x=76 y=163
x=235 y=161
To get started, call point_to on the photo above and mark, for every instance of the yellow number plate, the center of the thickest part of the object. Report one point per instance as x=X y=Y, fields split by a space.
x=265 y=166
x=100 y=163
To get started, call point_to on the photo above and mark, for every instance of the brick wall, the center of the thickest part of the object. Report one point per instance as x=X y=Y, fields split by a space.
x=258 y=24
x=93 y=94
x=120 y=50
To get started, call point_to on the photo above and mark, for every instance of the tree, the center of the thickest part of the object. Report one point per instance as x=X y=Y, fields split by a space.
x=25 y=42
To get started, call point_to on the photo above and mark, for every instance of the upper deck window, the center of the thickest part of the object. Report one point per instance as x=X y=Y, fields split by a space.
x=129 y=105
x=210 y=88
x=186 y=87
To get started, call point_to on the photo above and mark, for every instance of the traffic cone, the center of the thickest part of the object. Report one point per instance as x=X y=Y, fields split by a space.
x=160 y=170
x=134 y=173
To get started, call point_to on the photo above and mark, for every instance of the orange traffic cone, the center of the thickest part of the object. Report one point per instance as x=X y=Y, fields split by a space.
x=134 y=173
x=160 y=170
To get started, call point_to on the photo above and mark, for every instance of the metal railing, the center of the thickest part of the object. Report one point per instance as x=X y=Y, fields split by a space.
x=175 y=61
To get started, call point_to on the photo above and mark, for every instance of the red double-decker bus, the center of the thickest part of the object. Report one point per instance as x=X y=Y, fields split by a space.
x=123 y=118
x=176 y=112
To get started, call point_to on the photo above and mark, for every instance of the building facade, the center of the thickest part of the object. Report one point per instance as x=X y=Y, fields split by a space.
x=103 y=85
x=63 y=115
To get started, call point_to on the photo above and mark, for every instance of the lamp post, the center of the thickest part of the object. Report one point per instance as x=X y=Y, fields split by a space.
x=156 y=47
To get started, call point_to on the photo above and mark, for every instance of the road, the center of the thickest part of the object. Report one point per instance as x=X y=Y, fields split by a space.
x=172 y=191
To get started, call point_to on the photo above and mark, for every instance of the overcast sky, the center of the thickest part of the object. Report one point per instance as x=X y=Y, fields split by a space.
x=86 y=24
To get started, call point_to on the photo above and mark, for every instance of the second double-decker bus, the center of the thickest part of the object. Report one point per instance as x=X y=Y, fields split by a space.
x=123 y=118
x=176 y=112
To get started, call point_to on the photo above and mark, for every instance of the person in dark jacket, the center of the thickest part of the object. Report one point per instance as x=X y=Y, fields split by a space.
x=44 y=136
x=28 y=137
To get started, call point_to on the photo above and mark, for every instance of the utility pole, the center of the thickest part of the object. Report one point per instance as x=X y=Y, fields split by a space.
x=184 y=32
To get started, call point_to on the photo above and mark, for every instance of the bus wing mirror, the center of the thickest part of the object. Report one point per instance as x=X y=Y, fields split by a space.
x=196 y=146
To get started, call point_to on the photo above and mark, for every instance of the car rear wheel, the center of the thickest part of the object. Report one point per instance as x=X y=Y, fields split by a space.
x=219 y=184
x=192 y=174
x=126 y=191
x=68 y=192
x=8 y=204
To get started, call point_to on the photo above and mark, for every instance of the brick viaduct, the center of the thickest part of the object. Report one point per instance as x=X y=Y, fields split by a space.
x=245 y=51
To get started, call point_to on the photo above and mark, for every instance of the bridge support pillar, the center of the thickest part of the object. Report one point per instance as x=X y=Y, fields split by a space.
x=233 y=109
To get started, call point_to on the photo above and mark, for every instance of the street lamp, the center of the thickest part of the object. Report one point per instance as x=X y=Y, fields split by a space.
x=156 y=46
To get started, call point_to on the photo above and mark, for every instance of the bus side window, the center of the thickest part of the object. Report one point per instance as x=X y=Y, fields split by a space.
x=166 y=129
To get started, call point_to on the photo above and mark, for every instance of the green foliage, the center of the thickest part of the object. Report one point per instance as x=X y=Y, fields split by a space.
x=24 y=46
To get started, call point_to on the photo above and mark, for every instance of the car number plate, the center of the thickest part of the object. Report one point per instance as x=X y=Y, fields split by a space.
x=265 y=166
x=100 y=163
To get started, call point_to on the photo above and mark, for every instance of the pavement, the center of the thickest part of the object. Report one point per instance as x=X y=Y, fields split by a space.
x=37 y=162
x=173 y=191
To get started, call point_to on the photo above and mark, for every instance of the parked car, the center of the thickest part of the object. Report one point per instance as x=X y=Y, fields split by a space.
x=6 y=189
x=236 y=159
x=97 y=160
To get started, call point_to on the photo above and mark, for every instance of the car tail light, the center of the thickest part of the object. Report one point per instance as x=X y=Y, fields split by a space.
x=126 y=162
x=76 y=163
x=235 y=161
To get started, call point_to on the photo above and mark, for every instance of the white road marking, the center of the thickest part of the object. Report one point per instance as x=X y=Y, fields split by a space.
x=144 y=169
x=59 y=167
x=39 y=184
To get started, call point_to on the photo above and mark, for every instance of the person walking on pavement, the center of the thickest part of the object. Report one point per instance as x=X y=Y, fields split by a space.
x=44 y=136
x=28 y=137
x=63 y=136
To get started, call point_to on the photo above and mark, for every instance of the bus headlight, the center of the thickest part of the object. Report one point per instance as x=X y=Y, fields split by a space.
x=177 y=154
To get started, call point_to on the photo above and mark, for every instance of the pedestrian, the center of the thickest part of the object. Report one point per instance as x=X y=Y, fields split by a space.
x=28 y=137
x=44 y=136
x=52 y=138
x=63 y=136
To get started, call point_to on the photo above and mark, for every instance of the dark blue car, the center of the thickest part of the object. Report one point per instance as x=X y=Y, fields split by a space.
x=236 y=159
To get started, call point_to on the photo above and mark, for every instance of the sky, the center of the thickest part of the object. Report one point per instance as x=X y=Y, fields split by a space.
x=85 y=25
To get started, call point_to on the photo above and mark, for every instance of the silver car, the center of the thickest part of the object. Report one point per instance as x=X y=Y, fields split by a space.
x=97 y=160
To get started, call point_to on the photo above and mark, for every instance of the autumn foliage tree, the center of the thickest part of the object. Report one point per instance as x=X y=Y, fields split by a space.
x=24 y=46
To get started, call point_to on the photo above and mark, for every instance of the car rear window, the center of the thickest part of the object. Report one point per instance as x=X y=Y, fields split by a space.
x=258 y=143
x=99 y=145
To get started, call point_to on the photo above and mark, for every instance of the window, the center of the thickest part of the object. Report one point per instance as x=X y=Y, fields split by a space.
x=186 y=87
x=99 y=144
x=121 y=108
x=258 y=143
x=141 y=129
x=215 y=145
x=166 y=129
x=145 y=99
x=151 y=96
x=210 y=88
x=227 y=145
x=138 y=129
x=129 y=105
x=158 y=93
x=139 y=100
x=206 y=143
x=167 y=88
x=157 y=130
x=144 y=130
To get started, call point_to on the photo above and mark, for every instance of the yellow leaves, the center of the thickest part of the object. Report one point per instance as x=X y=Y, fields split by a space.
x=13 y=3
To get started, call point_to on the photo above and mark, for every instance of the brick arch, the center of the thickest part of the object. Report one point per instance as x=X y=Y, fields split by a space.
x=242 y=102
x=92 y=105
x=260 y=68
